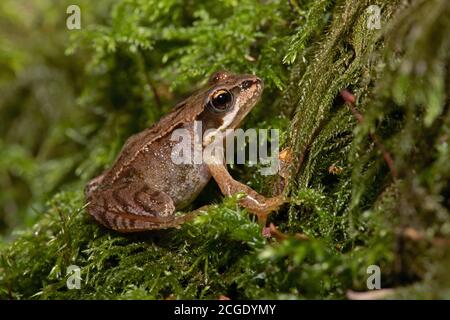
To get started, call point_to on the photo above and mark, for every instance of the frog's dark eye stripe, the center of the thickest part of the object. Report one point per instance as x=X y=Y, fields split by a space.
x=221 y=100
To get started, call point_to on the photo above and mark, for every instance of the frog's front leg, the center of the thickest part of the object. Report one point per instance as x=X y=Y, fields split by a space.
x=132 y=207
x=253 y=201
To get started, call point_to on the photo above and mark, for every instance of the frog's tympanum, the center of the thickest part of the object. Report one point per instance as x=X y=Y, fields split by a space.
x=144 y=188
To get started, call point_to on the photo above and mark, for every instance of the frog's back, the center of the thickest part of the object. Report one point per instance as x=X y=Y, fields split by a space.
x=141 y=143
x=155 y=168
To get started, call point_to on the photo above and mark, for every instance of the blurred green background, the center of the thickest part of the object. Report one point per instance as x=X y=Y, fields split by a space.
x=39 y=113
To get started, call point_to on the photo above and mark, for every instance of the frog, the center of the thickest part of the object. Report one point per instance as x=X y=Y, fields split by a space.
x=144 y=189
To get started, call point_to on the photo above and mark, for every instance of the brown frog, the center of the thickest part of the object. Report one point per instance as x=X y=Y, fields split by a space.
x=144 y=187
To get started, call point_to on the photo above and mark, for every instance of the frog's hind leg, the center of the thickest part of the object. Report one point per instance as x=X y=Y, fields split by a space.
x=133 y=207
x=93 y=184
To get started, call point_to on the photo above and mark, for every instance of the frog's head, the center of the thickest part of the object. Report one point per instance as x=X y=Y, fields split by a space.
x=228 y=99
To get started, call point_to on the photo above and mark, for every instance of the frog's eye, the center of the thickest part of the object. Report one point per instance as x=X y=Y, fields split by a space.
x=221 y=100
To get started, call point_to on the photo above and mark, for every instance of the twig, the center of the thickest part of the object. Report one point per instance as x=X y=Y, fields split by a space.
x=272 y=231
x=294 y=6
x=306 y=150
x=369 y=295
x=10 y=296
x=350 y=100
x=149 y=81
x=417 y=235
x=152 y=86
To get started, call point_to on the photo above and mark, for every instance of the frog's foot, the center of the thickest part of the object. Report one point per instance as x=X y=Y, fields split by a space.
x=253 y=201
x=179 y=220
x=260 y=205
x=133 y=207
x=285 y=159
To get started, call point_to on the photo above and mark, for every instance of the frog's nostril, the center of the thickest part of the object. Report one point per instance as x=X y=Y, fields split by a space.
x=260 y=82
x=246 y=84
